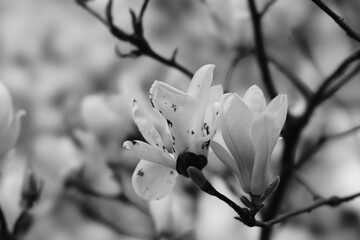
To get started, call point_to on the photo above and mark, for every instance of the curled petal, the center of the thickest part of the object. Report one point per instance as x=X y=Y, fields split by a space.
x=265 y=134
x=219 y=148
x=150 y=153
x=235 y=123
x=201 y=82
x=178 y=108
x=153 y=181
x=279 y=106
x=11 y=134
x=145 y=125
x=255 y=100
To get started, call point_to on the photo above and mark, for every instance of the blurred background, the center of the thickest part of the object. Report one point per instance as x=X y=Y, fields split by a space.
x=59 y=63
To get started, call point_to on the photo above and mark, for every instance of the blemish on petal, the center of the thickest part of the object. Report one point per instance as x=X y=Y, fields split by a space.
x=134 y=142
x=174 y=107
x=141 y=173
x=170 y=124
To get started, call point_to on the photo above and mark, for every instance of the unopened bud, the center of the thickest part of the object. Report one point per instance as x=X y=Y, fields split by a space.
x=31 y=190
x=197 y=176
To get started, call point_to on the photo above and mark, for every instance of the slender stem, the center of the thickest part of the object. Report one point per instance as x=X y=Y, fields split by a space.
x=321 y=142
x=267 y=7
x=291 y=76
x=307 y=185
x=260 y=49
x=332 y=201
x=338 y=19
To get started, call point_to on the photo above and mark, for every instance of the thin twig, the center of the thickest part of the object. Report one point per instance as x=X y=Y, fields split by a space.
x=338 y=19
x=137 y=38
x=332 y=202
x=322 y=141
x=337 y=86
x=267 y=7
x=240 y=56
x=260 y=49
x=307 y=185
x=344 y=65
x=291 y=76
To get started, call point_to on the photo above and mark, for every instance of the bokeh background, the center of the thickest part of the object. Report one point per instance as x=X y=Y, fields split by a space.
x=59 y=64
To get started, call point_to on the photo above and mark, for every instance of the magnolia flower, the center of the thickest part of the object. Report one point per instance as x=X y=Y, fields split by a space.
x=191 y=117
x=249 y=132
x=155 y=174
x=190 y=121
x=9 y=122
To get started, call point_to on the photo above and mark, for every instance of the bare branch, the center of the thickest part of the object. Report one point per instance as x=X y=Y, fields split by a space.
x=267 y=7
x=332 y=202
x=136 y=38
x=260 y=49
x=240 y=56
x=337 y=86
x=338 y=19
x=322 y=141
x=291 y=76
x=307 y=185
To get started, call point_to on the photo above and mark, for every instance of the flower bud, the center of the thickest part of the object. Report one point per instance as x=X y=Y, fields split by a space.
x=9 y=122
x=197 y=176
x=31 y=189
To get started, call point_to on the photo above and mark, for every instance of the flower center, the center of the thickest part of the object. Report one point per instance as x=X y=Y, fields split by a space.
x=189 y=159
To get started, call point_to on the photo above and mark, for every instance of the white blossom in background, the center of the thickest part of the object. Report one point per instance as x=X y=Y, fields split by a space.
x=9 y=122
x=249 y=132
x=191 y=118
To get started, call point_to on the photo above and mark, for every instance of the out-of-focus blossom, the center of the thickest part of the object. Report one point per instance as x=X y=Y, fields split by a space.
x=102 y=117
x=250 y=130
x=9 y=122
x=231 y=21
x=191 y=122
x=191 y=117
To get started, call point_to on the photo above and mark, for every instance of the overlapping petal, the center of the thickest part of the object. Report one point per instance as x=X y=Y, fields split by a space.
x=178 y=109
x=153 y=181
x=237 y=136
x=150 y=153
x=250 y=130
x=264 y=135
x=255 y=100
x=145 y=126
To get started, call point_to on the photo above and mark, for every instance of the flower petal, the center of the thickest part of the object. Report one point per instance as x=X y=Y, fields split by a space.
x=279 y=107
x=222 y=152
x=150 y=153
x=153 y=181
x=145 y=125
x=265 y=133
x=235 y=123
x=178 y=108
x=200 y=90
x=11 y=134
x=255 y=100
x=201 y=82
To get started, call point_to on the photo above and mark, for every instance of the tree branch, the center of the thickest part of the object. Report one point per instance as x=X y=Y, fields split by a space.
x=266 y=7
x=338 y=19
x=291 y=76
x=260 y=49
x=332 y=202
x=137 y=38
x=322 y=141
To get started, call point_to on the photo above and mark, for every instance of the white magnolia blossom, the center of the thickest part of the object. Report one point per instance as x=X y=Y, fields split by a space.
x=249 y=132
x=9 y=122
x=190 y=118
